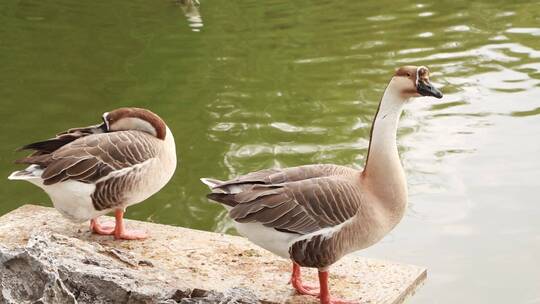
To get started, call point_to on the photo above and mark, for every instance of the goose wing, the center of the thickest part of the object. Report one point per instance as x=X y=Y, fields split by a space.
x=301 y=207
x=93 y=157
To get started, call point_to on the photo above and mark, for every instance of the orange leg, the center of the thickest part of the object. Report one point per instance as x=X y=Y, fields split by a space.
x=102 y=229
x=325 y=294
x=120 y=231
x=301 y=288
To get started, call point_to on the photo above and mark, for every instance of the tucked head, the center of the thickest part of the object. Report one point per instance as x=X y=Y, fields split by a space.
x=144 y=120
x=413 y=81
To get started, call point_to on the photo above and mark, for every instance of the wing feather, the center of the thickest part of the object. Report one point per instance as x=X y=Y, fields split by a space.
x=50 y=145
x=301 y=207
x=95 y=156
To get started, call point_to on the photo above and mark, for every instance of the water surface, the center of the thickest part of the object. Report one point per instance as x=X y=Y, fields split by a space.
x=246 y=85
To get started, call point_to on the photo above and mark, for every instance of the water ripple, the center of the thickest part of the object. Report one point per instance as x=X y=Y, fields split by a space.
x=285 y=84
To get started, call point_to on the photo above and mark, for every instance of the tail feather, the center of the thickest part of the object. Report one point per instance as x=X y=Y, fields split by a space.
x=32 y=172
x=234 y=195
x=218 y=186
x=211 y=182
x=17 y=175
x=218 y=194
x=37 y=159
x=223 y=198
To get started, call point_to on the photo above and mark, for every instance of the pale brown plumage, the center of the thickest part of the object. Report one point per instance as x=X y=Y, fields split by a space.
x=91 y=158
x=91 y=171
x=316 y=214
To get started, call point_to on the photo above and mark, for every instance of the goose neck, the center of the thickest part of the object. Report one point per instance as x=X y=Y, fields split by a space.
x=383 y=174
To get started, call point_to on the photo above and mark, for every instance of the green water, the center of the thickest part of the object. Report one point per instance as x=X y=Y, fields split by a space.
x=252 y=84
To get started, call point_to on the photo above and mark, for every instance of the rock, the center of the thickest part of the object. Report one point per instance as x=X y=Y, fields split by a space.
x=231 y=296
x=53 y=268
x=44 y=258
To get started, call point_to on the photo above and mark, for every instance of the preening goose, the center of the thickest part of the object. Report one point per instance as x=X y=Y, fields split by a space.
x=91 y=171
x=316 y=214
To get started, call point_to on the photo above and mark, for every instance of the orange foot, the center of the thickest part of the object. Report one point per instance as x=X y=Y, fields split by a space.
x=299 y=286
x=305 y=289
x=325 y=294
x=124 y=234
x=120 y=231
x=102 y=229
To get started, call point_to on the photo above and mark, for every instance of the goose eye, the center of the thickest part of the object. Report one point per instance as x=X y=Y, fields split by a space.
x=408 y=74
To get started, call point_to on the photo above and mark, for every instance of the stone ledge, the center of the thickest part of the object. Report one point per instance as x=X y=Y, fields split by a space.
x=45 y=257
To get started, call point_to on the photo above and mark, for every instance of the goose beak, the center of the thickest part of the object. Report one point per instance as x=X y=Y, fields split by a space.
x=425 y=88
x=103 y=127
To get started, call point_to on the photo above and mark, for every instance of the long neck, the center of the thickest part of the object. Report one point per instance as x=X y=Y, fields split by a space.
x=383 y=172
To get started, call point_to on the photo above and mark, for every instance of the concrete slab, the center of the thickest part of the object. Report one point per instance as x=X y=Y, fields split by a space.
x=212 y=261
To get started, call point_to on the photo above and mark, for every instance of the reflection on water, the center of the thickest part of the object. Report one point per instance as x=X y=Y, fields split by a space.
x=289 y=83
x=191 y=10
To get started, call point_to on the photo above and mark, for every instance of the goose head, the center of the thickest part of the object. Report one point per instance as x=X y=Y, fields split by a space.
x=124 y=119
x=413 y=81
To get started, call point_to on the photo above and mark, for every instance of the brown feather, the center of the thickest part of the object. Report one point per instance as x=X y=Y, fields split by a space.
x=301 y=207
x=94 y=156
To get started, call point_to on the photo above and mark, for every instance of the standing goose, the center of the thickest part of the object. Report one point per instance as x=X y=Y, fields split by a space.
x=91 y=171
x=316 y=214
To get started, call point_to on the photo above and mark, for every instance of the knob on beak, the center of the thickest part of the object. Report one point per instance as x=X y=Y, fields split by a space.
x=425 y=88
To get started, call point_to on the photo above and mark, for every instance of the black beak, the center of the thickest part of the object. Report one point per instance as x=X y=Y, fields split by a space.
x=425 y=88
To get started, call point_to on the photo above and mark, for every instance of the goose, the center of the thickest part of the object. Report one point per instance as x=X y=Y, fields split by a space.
x=90 y=171
x=316 y=214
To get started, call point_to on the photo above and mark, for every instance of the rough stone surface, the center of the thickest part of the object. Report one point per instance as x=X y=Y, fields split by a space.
x=53 y=268
x=47 y=259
